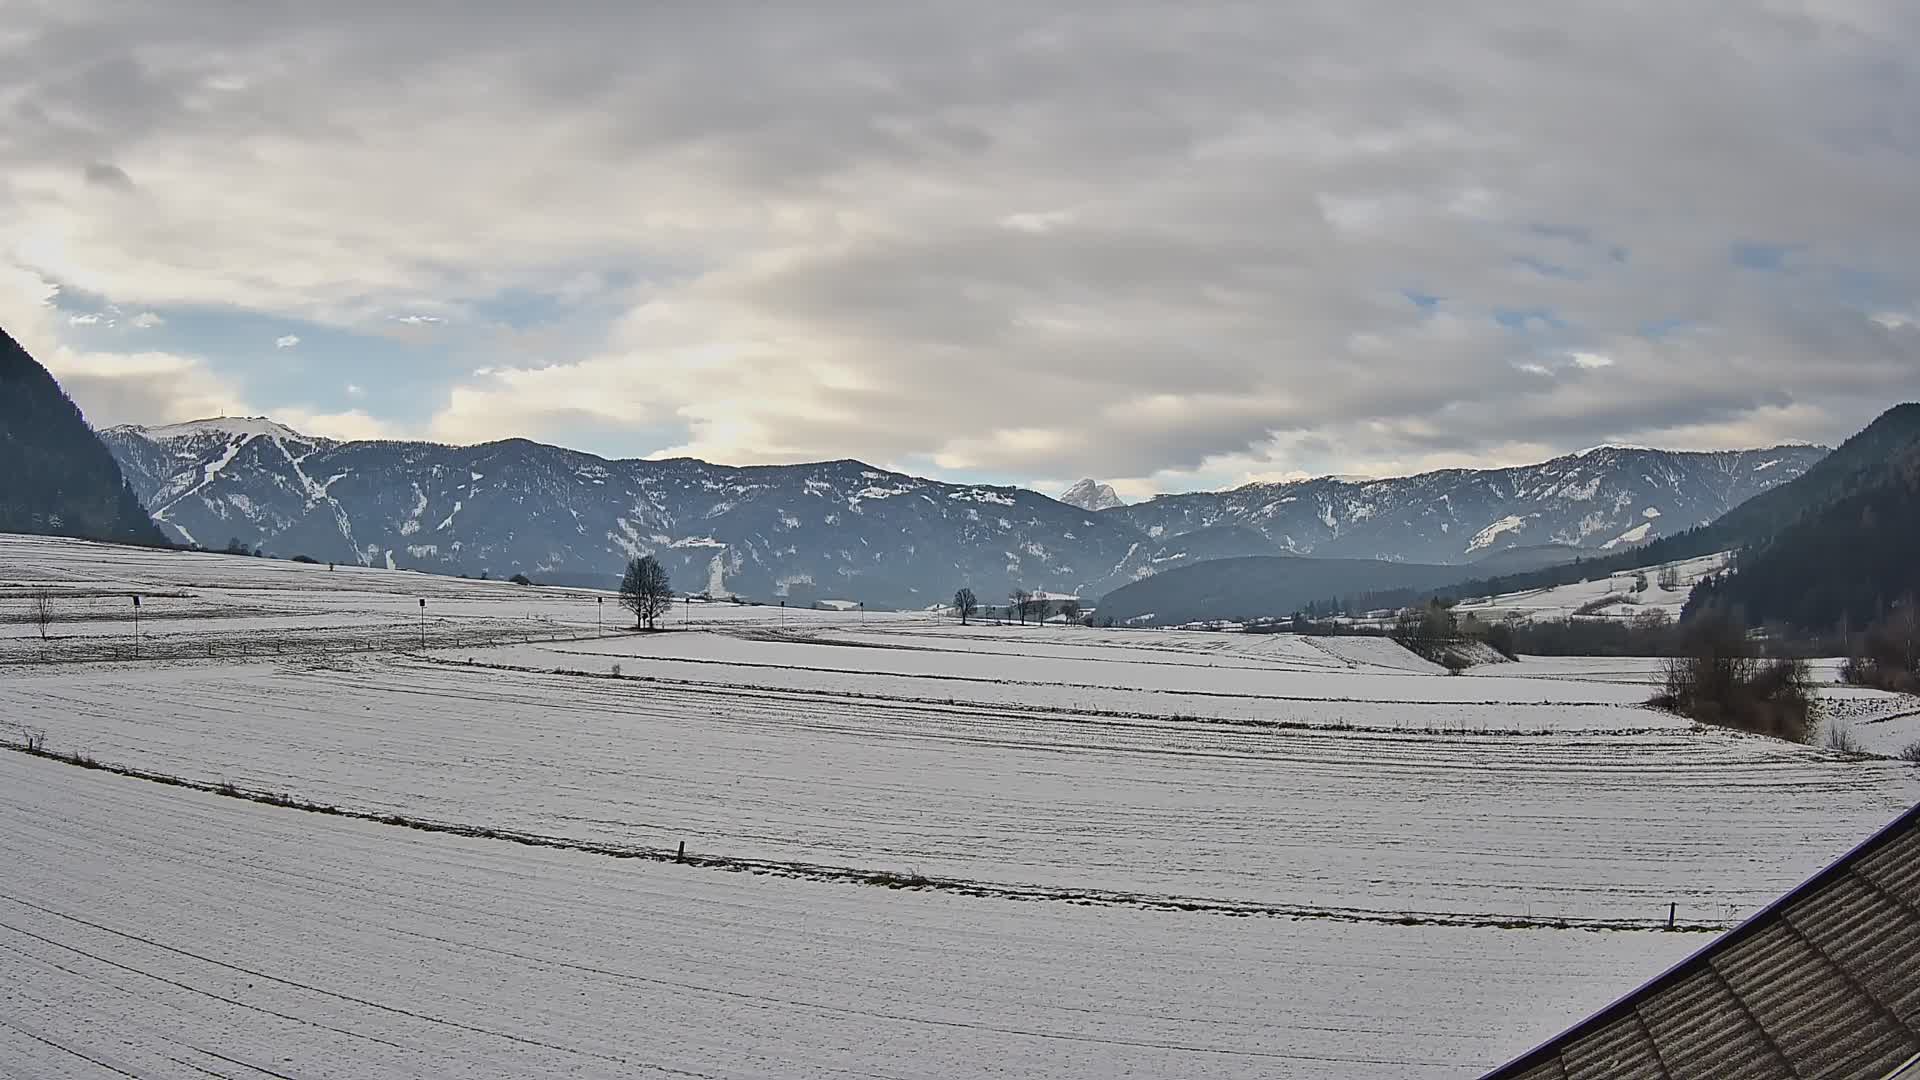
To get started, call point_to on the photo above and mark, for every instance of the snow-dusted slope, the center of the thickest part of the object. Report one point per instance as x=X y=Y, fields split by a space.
x=1598 y=499
x=842 y=529
x=1609 y=596
x=830 y=529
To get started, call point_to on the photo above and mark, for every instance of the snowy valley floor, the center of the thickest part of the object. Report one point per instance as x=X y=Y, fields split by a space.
x=1131 y=852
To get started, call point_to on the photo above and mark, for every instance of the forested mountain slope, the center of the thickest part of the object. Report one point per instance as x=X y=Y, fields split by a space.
x=55 y=475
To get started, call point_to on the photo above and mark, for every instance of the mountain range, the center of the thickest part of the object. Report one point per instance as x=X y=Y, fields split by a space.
x=842 y=529
x=1604 y=498
x=1829 y=548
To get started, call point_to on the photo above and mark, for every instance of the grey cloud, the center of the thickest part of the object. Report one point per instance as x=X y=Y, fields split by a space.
x=102 y=174
x=1223 y=208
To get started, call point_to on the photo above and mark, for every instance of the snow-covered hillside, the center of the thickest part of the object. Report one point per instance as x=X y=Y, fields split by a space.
x=1617 y=595
x=841 y=529
x=1598 y=500
x=801 y=532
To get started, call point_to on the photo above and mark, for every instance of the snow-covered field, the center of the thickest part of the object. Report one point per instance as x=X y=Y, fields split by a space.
x=1148 y=852
x=168 y=933
x=1879 y=722
x=196 y=605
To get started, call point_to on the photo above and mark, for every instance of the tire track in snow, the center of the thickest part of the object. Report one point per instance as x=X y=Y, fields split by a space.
x=256 y=973
x=44 y=1041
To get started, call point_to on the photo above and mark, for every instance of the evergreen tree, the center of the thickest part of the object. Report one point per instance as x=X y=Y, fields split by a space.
x=1845 y=565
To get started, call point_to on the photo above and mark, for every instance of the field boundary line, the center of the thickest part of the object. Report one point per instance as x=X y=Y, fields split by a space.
x=1076 y=710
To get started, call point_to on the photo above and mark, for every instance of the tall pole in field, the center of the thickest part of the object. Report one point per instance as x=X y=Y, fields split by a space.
x=423 y=623
x=599 y=606
x=136 y=626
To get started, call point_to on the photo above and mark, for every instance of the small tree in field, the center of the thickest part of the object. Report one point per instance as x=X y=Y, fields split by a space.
x=1070 y=610
x=1021 y=601
x=966 y=604
x=645 y=591
x=42 y=611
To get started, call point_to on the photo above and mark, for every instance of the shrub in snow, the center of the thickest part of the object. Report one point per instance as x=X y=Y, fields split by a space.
x=1842 y=739
x=1717 y=678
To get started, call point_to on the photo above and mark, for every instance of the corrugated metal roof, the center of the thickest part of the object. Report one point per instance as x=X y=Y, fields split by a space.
x=1824 y=983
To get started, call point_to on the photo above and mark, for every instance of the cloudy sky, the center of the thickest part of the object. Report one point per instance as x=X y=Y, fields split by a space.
x=1173 y=246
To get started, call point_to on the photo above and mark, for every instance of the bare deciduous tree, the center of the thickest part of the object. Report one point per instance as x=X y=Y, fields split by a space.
x=966 y=605
x=42 y=611
x=1019 y=602
x=645 y=591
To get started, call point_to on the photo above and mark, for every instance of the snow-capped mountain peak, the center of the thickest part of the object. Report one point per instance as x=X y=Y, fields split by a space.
x=228 y=426
x=1090 y=494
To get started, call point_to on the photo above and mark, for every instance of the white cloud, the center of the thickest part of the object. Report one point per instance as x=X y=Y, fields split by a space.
x=110 y=387
x=1590 y=361
x=91 y=318
x=349 y=425
x=1037 y=221
x=142 y=387
x=147 y=320
x=356 y=390
x=286 y=341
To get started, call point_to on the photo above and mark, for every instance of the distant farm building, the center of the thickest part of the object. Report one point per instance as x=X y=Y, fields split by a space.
x=1055 y=605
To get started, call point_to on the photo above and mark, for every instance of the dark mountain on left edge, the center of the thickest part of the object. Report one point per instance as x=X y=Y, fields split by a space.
x=55 y=476
x=841 y=529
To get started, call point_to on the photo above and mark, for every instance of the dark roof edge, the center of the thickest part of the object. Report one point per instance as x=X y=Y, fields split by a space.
x=1751 y=926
